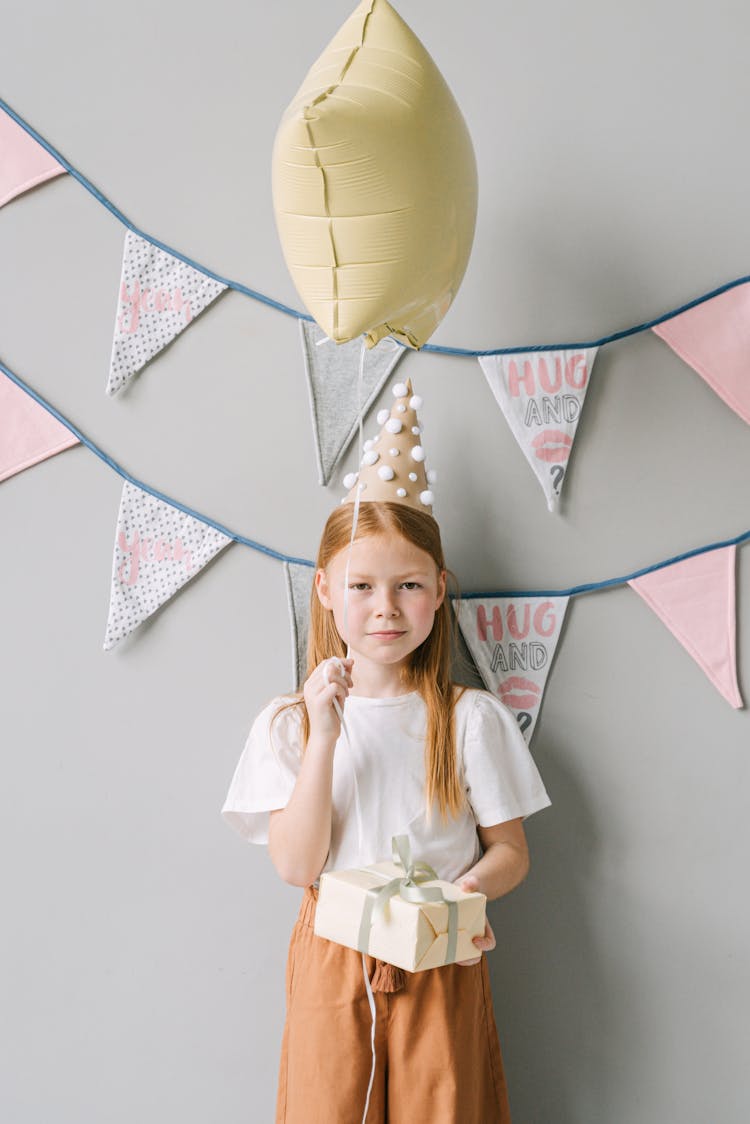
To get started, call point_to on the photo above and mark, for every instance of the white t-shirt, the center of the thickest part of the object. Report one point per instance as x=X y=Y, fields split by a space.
x=387 y=751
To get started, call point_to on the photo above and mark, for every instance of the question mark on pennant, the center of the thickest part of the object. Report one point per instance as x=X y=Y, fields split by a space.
x=558 y=472
x=524 y=720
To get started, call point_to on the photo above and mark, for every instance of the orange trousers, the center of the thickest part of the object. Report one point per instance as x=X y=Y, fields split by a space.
x=438 y=1053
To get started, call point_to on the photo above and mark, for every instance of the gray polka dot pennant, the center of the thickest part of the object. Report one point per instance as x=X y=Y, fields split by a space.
x=159 y=296
x=158 y=548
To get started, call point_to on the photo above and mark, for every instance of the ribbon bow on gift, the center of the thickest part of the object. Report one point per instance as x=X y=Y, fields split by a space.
x=409 y=889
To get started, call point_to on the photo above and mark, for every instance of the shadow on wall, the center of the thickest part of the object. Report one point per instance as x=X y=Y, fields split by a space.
x=556 y=1009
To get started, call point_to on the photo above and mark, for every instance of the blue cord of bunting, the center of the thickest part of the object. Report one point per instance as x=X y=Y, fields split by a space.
x=573 y=591
x=437 y=349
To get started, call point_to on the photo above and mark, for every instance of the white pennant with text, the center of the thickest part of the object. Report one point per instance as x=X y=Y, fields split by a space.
x=541 y=394
x=158 y=548
x=159 y=296
x=512 y=641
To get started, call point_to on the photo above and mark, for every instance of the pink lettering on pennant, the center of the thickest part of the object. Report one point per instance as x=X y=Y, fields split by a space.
x=516 y=632
x=576 y=372
x=546 y=610
x=149 y=550
x=132 y=553
x=551 y=385
x=496 y=623
x=149 y=300
x=515 y=379
x=539 y=370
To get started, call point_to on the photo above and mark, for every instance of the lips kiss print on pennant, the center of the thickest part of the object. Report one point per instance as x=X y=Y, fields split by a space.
x=512 y=641
x=541 y=394
x=158 y=548
x=159 y=296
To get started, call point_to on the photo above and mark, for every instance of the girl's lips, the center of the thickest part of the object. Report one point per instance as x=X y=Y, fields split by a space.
x=386 y=635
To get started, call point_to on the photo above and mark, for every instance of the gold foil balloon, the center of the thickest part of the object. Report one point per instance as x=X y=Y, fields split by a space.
x=375 y=184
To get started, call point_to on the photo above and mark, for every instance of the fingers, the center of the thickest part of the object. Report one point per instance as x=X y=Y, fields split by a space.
x=487 y=941
x=338 y=671
x=469 y=884
x=325 y=692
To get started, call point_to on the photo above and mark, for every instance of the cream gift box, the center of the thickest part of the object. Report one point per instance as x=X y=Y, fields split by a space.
x=400 y=912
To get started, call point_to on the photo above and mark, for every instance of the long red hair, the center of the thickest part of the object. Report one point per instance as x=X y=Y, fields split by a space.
x=429 y=668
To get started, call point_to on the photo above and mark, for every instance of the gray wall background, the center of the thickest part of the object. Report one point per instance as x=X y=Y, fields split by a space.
x=143 y=943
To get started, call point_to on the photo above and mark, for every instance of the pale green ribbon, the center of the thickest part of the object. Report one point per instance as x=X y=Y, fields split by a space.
x=409 y=889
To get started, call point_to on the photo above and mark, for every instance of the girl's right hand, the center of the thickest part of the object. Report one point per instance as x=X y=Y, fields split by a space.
x=319 y=695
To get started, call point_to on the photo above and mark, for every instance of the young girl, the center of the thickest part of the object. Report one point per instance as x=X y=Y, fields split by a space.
x=445 y=765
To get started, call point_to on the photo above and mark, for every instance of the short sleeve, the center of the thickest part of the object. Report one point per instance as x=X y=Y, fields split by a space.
x=501 y=779
x=266 y=772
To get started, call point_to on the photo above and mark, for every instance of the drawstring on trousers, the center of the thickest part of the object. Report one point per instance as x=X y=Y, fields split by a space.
x=387 y=977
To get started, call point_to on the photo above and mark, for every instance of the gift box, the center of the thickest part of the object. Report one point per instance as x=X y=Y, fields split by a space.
x=400 y=912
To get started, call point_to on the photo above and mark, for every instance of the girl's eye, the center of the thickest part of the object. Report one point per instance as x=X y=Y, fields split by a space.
x=359 y=585
x=412 y=585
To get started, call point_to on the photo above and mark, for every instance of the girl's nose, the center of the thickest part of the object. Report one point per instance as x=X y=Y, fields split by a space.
x=388 y=606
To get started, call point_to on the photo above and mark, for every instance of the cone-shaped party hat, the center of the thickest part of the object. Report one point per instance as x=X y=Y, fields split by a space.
x=393 y=465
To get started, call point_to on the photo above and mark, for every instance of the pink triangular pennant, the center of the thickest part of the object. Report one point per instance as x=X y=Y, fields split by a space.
x=28 y=432
x=695 y=600
x=24 y=163
x=714 y=338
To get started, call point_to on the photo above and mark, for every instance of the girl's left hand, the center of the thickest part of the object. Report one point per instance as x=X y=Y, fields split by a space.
x=487 y=942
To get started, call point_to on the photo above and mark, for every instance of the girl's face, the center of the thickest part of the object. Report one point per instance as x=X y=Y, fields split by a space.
x=395 y=590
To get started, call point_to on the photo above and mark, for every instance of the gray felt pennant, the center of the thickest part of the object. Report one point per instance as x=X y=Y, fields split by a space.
x=332 y=379
x=299 y=583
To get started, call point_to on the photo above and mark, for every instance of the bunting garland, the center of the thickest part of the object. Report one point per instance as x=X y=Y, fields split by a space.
x=512 y=635
x=160 y=545
x=540 y=388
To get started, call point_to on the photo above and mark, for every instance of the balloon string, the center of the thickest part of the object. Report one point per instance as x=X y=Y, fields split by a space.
x=355 y=520
x=358 y=809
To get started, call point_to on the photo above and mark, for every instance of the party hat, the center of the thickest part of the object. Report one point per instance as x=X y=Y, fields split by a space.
x=393 y=465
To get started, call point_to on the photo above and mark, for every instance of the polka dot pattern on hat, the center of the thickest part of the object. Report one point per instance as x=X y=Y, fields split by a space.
x=397 y=473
